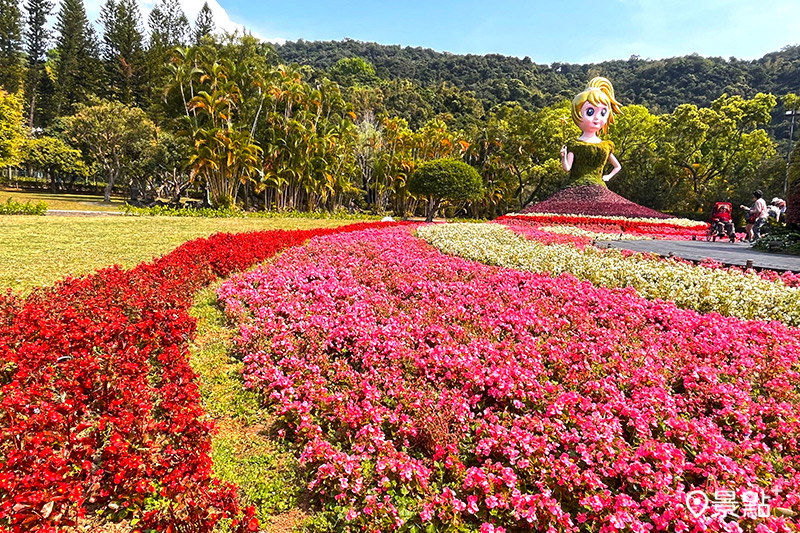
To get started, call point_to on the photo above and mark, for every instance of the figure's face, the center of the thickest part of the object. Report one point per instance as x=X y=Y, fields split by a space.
x=593 y=117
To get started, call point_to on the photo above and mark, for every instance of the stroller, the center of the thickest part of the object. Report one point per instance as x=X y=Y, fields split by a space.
x=721 y=223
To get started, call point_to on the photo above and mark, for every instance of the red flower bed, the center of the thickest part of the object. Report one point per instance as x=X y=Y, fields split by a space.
x=99 y=408
x=664 y=230
x=592 y=200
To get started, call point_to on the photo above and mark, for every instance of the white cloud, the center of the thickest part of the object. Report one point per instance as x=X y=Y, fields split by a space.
x=191 y=8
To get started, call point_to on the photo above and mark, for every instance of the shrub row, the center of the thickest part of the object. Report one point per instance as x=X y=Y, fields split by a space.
x=208 y=212
x=12 y=207
x=99 y=408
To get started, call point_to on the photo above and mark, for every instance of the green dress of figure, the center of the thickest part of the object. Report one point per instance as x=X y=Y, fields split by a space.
x=589 y=162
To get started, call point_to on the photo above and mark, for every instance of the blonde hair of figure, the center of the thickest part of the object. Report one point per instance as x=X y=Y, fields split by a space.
x=599 y=91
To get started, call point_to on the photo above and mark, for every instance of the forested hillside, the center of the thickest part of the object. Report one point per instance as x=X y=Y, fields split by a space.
x=660 y=85
x=162 y=107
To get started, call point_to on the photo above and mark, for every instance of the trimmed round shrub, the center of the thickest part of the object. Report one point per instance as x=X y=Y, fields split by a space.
x=445 y=179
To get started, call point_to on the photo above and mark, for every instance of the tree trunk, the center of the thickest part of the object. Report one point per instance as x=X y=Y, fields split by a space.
x=433 y=206
x=112 y=177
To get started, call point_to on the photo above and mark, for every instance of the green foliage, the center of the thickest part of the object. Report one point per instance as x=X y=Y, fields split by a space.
x=169 y=26
x=783 y=239
x=11 y=59
x=208 y=212
x=123 y=51
x=36 y=40
x=12 y=207
x=11 y=130
x=77 y=64
x=113 y=135
x=204 y=24
x=660 y=85
x=264 y=134
x=353 y=71
x=445 y=179
x=793 y=187
x=54 y=158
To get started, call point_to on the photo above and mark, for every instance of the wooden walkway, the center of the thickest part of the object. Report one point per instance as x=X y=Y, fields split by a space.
x=734 y=254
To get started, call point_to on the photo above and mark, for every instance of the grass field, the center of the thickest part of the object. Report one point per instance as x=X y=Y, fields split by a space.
x=36 y=251
x=72 y=202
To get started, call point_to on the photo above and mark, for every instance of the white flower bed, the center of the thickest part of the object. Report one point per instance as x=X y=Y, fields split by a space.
x=730 y=293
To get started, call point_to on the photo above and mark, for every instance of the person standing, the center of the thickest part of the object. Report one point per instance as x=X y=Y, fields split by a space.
x=756 y=216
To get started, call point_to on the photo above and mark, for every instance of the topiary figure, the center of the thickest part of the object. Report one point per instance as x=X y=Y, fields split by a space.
x=793 y=192
x=445 y=179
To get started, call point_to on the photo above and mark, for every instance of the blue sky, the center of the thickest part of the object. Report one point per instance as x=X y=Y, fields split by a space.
x=569 y=31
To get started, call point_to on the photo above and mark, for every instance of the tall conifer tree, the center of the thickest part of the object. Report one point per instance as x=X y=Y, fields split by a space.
x=123 y=53
x=204 y=24
x=36 y=41
x=77 y=62
x=11 y=66
x=169 y=28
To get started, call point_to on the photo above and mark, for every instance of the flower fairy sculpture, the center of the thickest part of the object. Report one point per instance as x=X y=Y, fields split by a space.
x=585 y=158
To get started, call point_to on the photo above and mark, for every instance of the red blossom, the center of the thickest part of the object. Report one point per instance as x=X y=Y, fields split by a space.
x=99 y=407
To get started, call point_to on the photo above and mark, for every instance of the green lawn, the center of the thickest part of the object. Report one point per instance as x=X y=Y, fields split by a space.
x=36 y=251
x=72 y=202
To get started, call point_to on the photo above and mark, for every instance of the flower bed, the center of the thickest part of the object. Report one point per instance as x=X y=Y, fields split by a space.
x=99 y=409
x=593 y=200
x=730 y=292
x=428 y=392
x=666 y=228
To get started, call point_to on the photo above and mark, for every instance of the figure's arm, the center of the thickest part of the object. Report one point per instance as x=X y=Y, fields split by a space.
x=566 y=158
x=616 y=167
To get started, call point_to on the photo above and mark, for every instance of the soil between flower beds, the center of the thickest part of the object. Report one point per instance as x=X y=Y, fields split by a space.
x=592 y=200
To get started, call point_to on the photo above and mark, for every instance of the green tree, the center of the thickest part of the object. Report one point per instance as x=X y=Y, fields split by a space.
x=353 y=71
x=114 y=136
x=793 y=196
x=168 y=24
x=456 y=107
x=123 y=52
x=11 y=59
x=165 y=169
x=308 y=139
x=224 y=155
x=36 y=40
x=56 y=159
x=169 y=28
x=203 y=24
x=77 y=61
x=404 y=99
x=647 y=177
x=790 y=103
x=716 y=148
x=445 y=179
x=12 y=132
